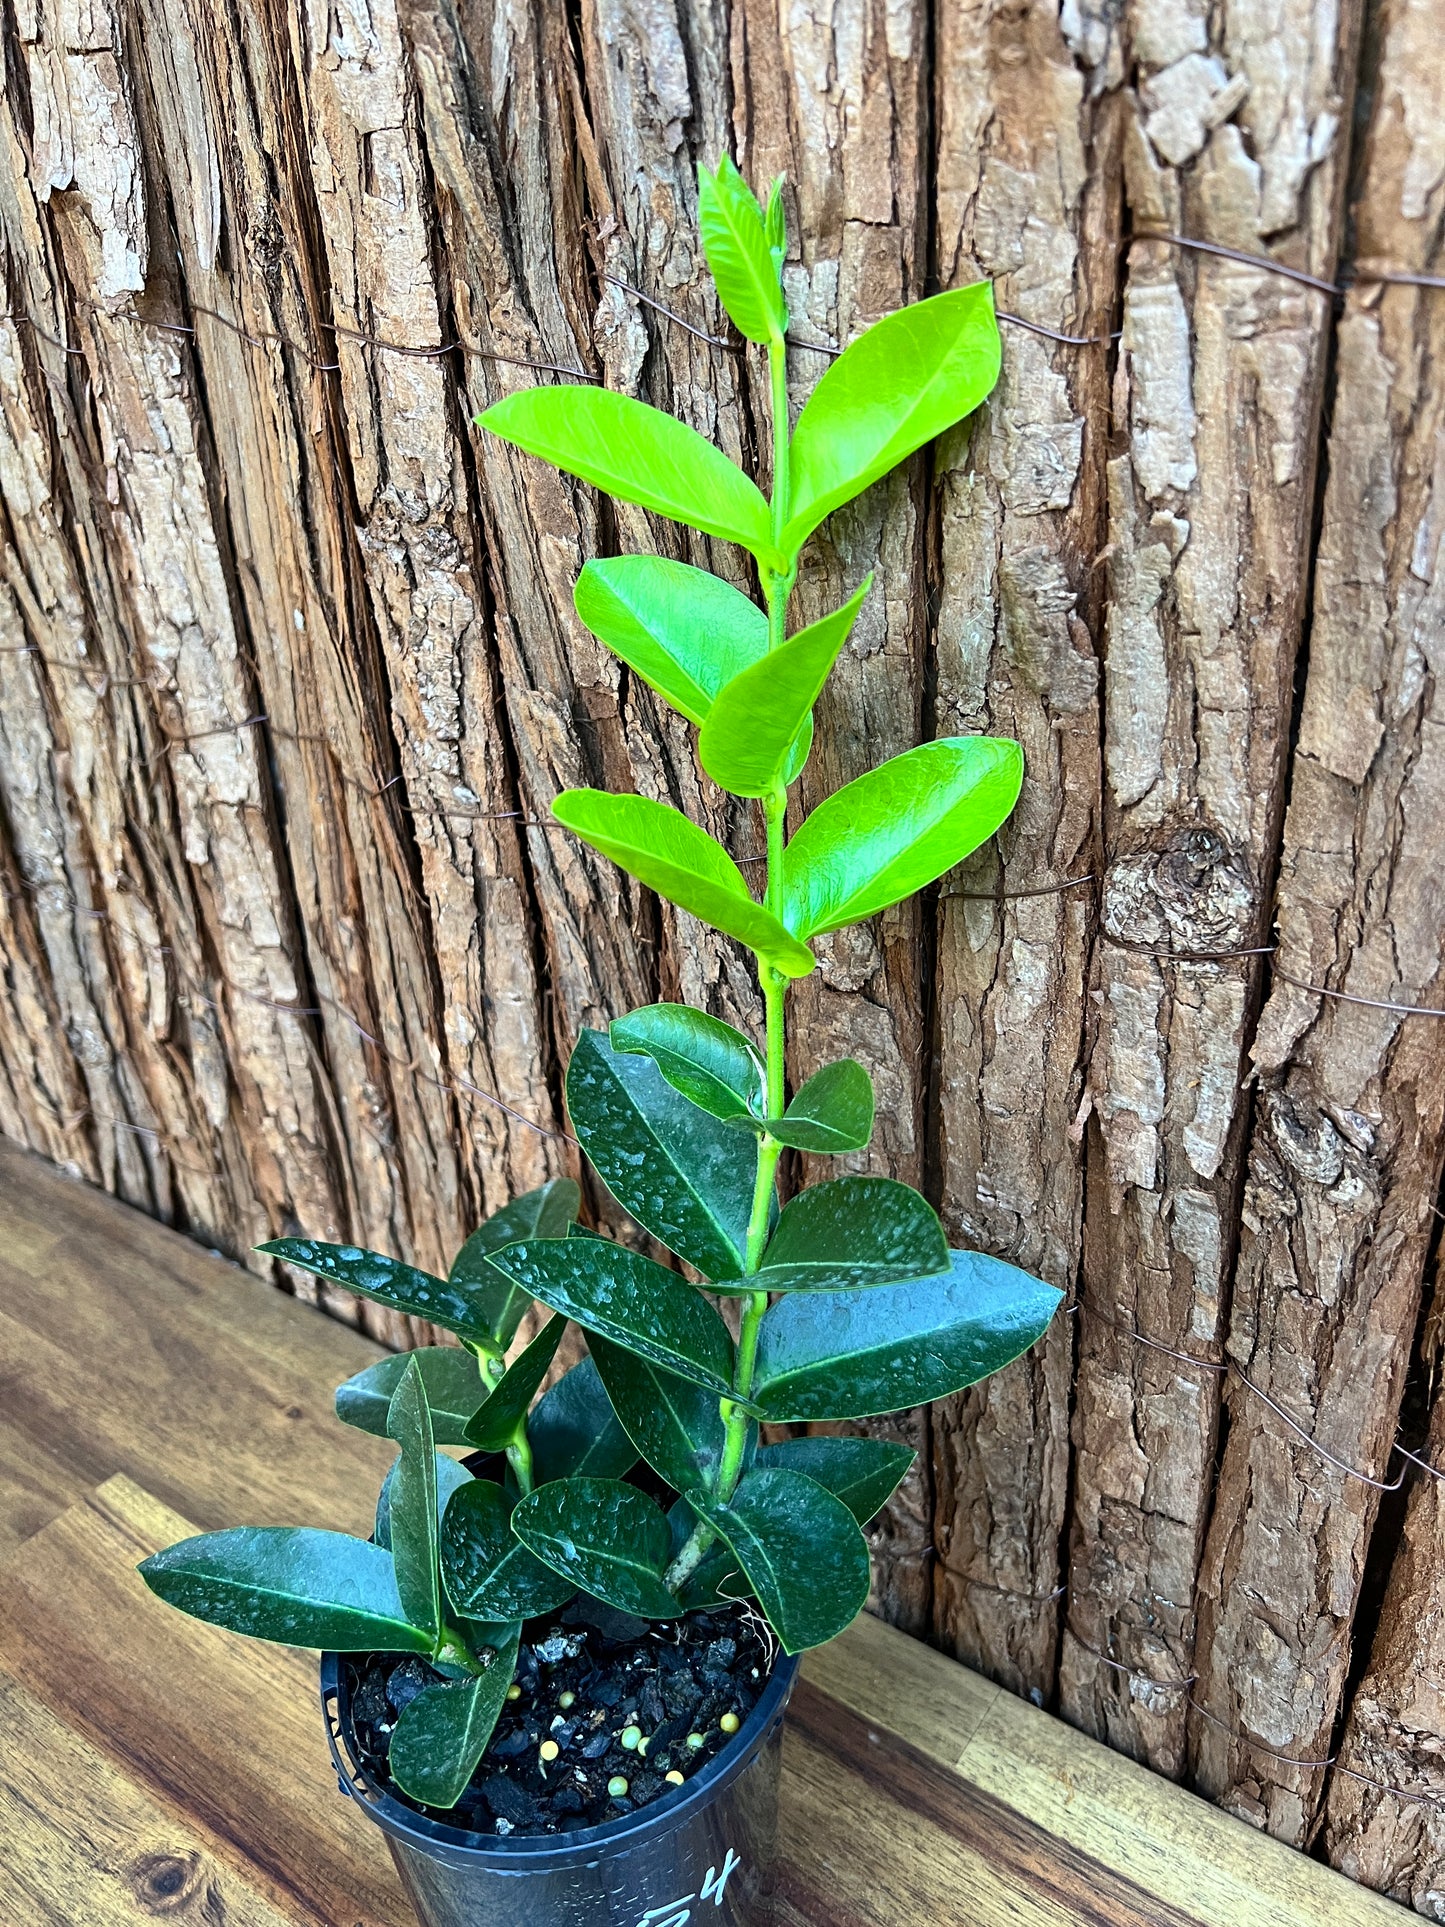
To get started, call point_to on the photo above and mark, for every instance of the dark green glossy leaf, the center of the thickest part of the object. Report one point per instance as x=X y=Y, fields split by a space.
x=717 y=1579
x=735 y=241
x=449 y=1475
x=713 y=1065
x=911 y=376
x=494 y=1426
x=443 y=1732
x=849 y=1354
x=639 y=455
x=544 y=1213
x=652 y=1311
x=573 y=1428
x=676 y=1426
x=681 y=1173
x=877 y=840
x=863 y=1473
x=606 y=1537
x=413 y=1522
x=488 y=1572
x=832 y=1112
x=455 y=1307
x=851 y=1233
x=685 y=632
x=663 y=849
x=454 y=1390
x=803 y=1551
x=749 y=731
x=290 y=1584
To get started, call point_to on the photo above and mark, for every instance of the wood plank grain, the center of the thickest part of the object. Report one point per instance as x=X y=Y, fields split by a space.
x=125 y=1347
x=224 y=1733
x=1184 y=1853
x=82 y=1845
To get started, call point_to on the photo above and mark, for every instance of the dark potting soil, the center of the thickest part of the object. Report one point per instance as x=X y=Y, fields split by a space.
x=672 y=1680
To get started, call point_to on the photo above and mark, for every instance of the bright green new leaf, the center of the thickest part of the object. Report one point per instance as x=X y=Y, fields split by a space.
x=832 y=1112
x=543 y=1213
x=606 y=1537
x=774 y=226
x=449 y=1475
x=852 y=1354
x=454 y=1390
x=683 y=1175
x=652 y=1311
x=852 y=1233
x=713 y=1065
x=573 y=1428
x=487 y=1571
x=911 y=376
x=455 y=1307
x=670 y=854
x=684 y=631
x=639 y=455
x=494 y=1425
x=735 y=241
x=291 y=1584
x=749 y=732
x=891 y=832
x=443 y=1732
x=801 y=1548
x=863 y=1473
x=414 y=1502
x=674 y=1424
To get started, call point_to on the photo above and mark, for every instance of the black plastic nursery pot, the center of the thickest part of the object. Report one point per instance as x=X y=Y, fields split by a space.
x=702 y=1854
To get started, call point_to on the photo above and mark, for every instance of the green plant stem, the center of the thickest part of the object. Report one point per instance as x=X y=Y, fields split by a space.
x=776 y=587
x=519 y=1457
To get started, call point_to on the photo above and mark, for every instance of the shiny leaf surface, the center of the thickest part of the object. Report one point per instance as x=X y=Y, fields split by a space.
x=713 y=1065
x=449 y=1475
x=414 y=1502
x=455 y=1307
x=803 y=1551
x=495 y=1424
x=454 y=1390
x=290 y=1584
x=639 y=455
x=682 y=1174
x=573 y=1429
x=544 y=1213
x=863 y=1473
x=684 y=631
x=749 y=732
x=851 y=1233
x=832 y=1112
x=606 y=1537
x=900 y=827
x=849 y=1354
x=488 y=1572
x=736 y=244
x=443 y=1732
x=911 y=376
x=675 y=1425
x=661 y=848
x=628 y=1298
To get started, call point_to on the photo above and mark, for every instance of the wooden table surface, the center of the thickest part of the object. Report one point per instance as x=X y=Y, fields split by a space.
x=154 y=1768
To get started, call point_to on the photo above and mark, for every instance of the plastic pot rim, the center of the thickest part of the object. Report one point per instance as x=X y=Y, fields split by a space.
x=545 y=1852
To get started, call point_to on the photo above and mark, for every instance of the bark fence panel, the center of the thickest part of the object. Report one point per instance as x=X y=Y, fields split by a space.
x=290 y=675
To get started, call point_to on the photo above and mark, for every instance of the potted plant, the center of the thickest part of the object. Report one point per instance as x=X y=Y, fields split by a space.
x=556 y=1673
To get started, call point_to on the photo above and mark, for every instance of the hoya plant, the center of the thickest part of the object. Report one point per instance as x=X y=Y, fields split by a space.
x=849 y=1303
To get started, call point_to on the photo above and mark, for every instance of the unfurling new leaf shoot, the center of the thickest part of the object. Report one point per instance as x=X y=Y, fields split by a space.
x=851 y=1302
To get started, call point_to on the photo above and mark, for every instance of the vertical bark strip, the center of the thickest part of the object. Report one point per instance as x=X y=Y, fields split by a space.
x=1027 y=195
x=1377 y=780
x=1236 y=134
